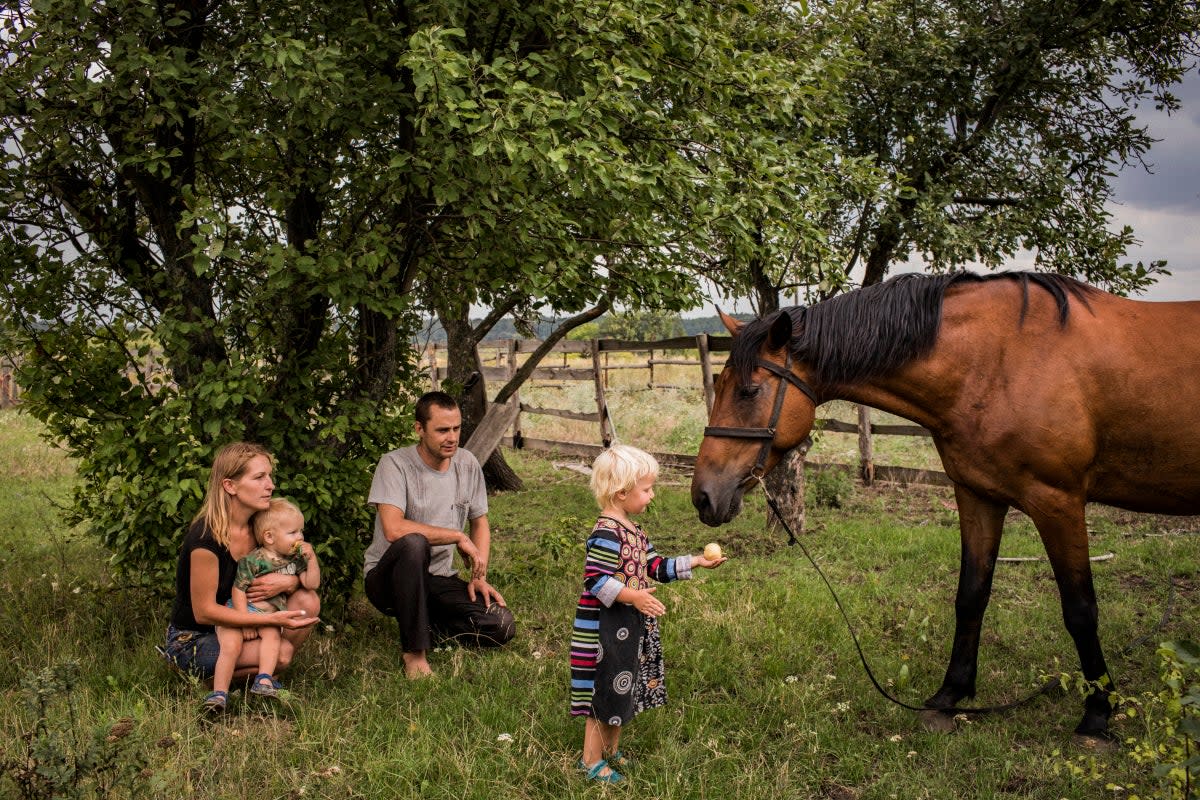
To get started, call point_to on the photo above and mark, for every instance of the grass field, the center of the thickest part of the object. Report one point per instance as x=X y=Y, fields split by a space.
x=767 y=698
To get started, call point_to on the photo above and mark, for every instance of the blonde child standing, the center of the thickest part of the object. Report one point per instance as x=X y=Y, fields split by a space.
x=616 y=652
x=279 y=531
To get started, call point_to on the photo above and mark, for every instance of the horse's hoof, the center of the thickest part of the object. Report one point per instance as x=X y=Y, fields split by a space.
x=938 y=721
x=1093 y=743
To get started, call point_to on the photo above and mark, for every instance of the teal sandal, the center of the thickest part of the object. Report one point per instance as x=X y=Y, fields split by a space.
x=593 y=773
x=622 y=760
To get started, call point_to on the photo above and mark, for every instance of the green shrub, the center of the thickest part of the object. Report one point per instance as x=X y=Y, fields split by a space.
x=828 y=488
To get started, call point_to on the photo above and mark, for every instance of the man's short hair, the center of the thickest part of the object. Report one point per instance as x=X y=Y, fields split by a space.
x=430 y=399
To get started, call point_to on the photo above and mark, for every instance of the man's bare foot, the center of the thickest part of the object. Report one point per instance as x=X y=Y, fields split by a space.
x=416 y=666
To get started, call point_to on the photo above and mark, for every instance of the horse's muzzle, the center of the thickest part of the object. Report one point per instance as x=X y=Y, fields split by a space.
x=719 y=508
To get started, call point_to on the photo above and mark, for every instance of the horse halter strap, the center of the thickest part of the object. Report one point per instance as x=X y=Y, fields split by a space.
x=767 y=434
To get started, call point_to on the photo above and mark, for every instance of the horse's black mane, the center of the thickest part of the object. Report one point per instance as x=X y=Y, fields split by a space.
x=877 y=329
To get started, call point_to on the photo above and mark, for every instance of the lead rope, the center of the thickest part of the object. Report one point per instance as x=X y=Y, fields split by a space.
x=1047 y=686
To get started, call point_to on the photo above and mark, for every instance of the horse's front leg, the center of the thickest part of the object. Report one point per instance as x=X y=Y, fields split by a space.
x=980 y=523
x=1062 y=525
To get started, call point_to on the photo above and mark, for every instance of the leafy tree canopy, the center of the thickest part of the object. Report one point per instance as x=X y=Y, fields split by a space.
x=223 y=220
x=1003 y=125
x=633 y=326
x=996 y=130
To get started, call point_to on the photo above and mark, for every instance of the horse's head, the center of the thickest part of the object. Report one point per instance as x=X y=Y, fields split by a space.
x=763 y=407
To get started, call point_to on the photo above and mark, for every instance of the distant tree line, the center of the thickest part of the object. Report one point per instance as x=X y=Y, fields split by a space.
x=638 y=328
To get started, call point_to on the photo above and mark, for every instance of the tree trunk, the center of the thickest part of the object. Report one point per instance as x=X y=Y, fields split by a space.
x=465 y=380
x=786 y=485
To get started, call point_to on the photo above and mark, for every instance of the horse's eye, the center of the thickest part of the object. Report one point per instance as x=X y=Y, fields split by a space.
x=748 y=391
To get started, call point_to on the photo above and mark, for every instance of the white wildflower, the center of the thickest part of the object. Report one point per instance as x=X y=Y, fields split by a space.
x=504 y=737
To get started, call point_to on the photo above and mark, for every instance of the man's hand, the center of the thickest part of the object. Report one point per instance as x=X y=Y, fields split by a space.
x=471 y=556
x=481 y=589
x=267 y=586
x=479 y=568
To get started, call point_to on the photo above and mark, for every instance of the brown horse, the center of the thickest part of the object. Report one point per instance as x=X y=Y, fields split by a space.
x=1042 y=394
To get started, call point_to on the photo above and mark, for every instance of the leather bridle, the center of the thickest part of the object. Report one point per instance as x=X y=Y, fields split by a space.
x=767 y=434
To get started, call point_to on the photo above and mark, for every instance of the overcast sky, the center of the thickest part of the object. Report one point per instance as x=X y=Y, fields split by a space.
x=1163 y=208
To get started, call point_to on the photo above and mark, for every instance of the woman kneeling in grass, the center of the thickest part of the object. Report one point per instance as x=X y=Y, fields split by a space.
x=239 y=486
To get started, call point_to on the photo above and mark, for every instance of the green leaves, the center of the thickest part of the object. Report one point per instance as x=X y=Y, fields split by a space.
x=1001 y=131
x=222 y=221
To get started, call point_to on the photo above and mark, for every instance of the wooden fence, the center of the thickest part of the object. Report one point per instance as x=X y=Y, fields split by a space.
x=500 y=360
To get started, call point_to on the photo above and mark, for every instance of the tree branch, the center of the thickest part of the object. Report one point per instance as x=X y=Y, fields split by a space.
x=535 y=358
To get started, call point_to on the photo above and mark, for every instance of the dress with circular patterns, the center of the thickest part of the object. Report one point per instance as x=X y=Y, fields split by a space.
x=616 y=651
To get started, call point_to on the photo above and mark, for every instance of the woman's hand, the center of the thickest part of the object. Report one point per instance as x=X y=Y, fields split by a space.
x=267 y=586
x=293 y=620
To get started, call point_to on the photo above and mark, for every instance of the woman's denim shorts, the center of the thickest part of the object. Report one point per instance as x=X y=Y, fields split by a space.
x=193 y=652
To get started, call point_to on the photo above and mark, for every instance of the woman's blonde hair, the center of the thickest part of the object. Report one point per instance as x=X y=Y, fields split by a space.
x=618 y=469
x=275 y=518
x=230 y=462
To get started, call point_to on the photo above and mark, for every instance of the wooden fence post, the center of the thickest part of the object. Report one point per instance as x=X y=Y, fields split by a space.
x=516 y=398
x=433 y=366
x=7 y=388
x=866 y=455
x=601 y=377
x=706 y=371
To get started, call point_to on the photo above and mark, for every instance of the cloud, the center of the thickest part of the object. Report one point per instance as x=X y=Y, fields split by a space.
x=1163 y=205
x=1172 y=234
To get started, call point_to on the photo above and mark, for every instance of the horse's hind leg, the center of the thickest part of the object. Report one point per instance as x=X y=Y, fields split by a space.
x=1063 y=527
x=981 y=522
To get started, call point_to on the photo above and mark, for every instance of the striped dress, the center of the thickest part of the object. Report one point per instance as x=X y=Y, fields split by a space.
x=616 y=652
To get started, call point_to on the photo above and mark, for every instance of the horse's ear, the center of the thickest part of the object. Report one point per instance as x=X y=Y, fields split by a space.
x=781 y=331
x=732 y=325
